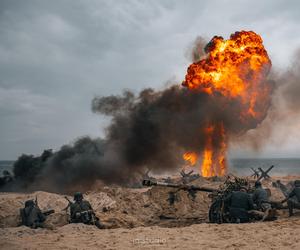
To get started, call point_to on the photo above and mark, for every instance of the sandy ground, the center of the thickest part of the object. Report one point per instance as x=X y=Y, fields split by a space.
x=134 y=221
x=281 y=234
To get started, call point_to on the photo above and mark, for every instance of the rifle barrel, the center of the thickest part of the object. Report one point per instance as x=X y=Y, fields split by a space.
x=48 y=212
x=68 y=200
x=179 y=186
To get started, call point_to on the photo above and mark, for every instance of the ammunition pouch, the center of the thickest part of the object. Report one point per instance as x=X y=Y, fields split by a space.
x=86 y=217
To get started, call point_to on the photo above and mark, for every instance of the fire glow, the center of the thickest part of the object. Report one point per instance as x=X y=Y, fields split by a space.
x=236 y=69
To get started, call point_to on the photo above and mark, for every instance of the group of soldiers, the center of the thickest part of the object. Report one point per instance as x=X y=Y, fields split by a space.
x=81 y=211
x=243 y=206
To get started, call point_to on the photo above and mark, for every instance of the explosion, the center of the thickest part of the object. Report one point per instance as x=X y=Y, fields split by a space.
x=226 y=94
x=235 y=69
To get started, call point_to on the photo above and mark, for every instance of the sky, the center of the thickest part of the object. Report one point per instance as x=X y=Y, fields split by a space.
x=55 y=56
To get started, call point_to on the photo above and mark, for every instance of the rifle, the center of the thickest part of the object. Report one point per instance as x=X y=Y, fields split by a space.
x=48 y=212
x=69 y=204
x=36 y=201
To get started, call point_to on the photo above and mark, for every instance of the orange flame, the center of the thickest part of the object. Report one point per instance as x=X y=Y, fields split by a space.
x=235 y=69
x=214 y=161
x=207 y=169
x=190 y=157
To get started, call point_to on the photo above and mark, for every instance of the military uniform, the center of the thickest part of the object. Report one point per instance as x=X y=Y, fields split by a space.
x=239 y=203
x=31 y=215
x=261 y=199
x=292 y=202
x=81 y=211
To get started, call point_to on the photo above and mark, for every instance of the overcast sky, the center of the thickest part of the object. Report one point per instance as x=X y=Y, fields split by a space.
x=55 y=56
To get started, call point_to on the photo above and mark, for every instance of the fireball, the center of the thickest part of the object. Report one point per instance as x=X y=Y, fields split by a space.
x=235 y=69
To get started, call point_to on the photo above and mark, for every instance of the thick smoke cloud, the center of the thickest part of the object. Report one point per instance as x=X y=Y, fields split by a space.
x=150 y=130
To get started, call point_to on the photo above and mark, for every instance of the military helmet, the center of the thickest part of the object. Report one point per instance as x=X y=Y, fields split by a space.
x=78 y=196
x=29 y=203
x=257 y=184
x=297 y=183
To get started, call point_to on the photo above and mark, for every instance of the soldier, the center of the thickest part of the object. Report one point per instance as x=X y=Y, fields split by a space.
x=81 y=211
x=260 y=197
x=240 y=203
x=293 y=199
x=261 y=200
x=31 y=215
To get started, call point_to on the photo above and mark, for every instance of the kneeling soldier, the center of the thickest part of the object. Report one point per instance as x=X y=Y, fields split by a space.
x=240 y=203
x=31 y=215
x=293 y=199
x=261 y=200
x=81 y=211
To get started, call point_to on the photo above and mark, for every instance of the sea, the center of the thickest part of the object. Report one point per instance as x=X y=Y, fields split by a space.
x=282 y=166
x=6 y=165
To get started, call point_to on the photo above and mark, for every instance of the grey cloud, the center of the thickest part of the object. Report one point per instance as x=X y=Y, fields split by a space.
x=70 y=51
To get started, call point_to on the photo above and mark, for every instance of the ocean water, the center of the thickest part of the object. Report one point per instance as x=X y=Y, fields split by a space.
x=282 y=166
x=6 y=165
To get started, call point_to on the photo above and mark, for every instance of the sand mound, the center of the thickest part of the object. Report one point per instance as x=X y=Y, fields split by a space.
x=11 y=203
x=124 y=207
x=116 y=207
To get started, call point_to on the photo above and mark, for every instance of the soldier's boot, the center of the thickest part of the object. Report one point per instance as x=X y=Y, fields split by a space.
x=256 y=215
x=267 y=214
x=36 y=225
x=99 y=225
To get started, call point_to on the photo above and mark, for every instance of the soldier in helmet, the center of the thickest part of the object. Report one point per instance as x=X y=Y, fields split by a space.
x=240 y=203
x=31 y=215
x=261 y=200
x=260 y=196
x=293 y=199
x=81 y=211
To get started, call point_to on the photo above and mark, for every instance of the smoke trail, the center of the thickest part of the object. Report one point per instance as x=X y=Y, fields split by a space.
x=196 y=52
